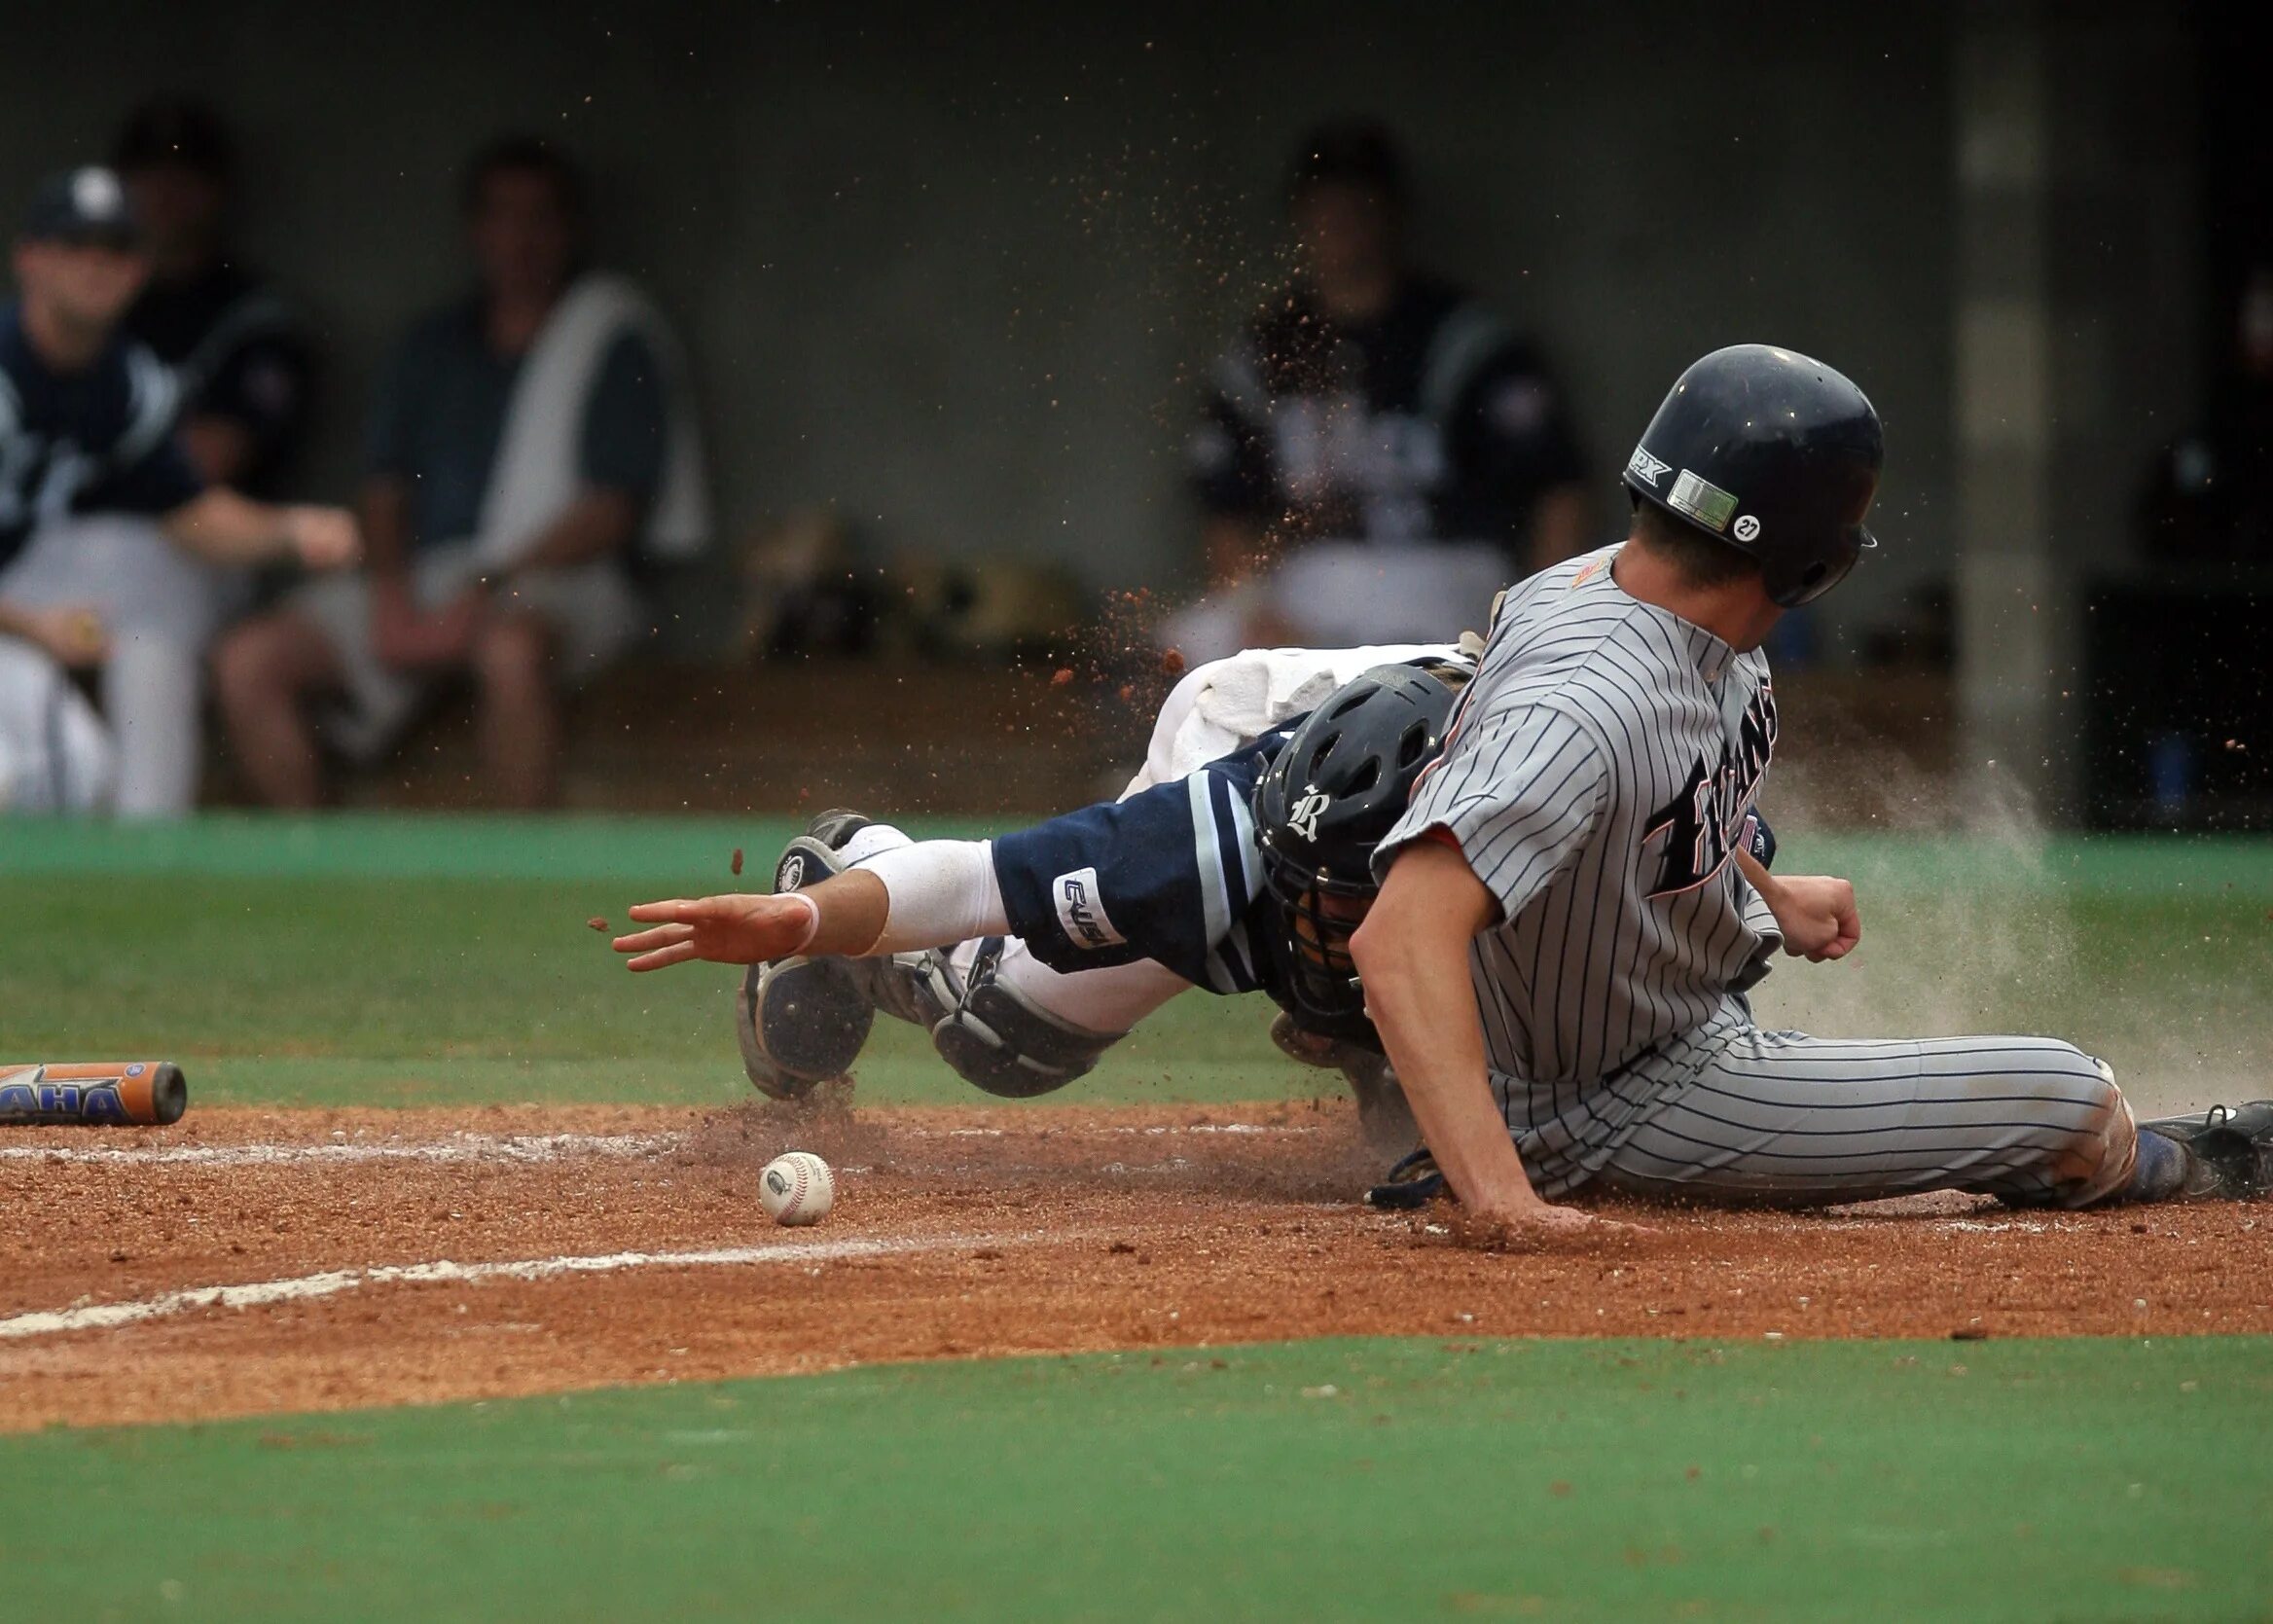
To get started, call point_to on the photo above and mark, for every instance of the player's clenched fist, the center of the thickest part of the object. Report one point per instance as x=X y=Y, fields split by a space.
x=1815 y=912
x=723 y=929
x=1817 y=917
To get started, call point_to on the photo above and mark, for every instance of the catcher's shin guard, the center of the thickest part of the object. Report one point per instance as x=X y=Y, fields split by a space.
x=800 y=1022
x=1000 y=1040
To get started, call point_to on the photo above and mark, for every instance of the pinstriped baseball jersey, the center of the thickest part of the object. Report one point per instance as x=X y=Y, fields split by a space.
x=1599 y=772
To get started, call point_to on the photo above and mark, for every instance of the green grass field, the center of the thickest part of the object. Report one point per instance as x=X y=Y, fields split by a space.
x=1334 y=1480
x=430 y=961
x=381 y=962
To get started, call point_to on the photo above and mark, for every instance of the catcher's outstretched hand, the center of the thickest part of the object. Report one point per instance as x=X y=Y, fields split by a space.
x=723 y=929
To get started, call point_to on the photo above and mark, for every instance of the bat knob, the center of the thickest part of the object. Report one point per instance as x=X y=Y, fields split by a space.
x=169 y=1093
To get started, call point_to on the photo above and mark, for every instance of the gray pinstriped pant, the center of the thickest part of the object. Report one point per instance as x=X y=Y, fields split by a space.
x=1783 y=1118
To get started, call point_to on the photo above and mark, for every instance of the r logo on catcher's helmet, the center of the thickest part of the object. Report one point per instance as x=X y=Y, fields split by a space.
x=1303 y=816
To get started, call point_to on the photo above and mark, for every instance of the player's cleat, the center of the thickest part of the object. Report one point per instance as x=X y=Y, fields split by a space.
x=1411 y=1183
x=2229 y=1150
x=800 y=1022
x=1383 y=1116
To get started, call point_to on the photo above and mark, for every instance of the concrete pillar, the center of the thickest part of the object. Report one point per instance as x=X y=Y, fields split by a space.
x=2012 y=621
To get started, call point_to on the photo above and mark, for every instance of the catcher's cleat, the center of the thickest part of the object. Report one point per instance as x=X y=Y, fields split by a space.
x=1299 y=1043
x=2229 y=1150
x=800 y=1022
x=1411 y=1185
x=1383 y=1116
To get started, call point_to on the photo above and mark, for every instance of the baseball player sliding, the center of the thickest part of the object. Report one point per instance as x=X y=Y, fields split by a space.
x=1558 y=956
x=1554 y=937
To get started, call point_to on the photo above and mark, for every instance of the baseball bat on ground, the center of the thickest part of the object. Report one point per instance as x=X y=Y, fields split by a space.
x=151 y=1092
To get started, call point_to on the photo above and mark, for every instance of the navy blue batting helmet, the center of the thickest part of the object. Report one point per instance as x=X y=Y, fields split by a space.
x=1773 y=454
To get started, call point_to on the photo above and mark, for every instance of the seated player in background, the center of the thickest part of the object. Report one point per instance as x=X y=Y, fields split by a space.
x=241 y=359
x=1378 y=444
x=87 y=434
x=525 y=443
x=240 y=371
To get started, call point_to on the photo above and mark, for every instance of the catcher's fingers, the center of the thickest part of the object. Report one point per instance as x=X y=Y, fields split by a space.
x=662 y=936
x=678 y=952
x=678 y=910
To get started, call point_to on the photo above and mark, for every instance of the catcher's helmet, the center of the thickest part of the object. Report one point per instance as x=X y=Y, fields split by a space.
x=1773 y=454
x=1334 y=793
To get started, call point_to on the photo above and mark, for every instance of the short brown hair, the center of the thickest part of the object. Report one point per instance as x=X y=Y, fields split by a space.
x=1703 y=562
x=522 y=155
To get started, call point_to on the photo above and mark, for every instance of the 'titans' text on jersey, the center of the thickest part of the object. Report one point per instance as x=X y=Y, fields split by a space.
x=1599 y=771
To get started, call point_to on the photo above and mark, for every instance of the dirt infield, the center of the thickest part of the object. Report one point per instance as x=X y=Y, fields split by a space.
x=254 y=1261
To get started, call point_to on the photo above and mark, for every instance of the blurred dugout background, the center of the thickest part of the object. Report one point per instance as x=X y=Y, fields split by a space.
x=952 y=276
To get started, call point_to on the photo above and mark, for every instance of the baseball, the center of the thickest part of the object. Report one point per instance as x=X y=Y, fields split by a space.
x=796 y=1188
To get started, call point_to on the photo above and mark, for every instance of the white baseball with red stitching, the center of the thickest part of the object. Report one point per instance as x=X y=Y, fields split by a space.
x=796 y=1188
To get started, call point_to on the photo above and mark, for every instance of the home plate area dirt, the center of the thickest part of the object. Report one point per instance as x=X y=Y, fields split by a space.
x=249 y=1261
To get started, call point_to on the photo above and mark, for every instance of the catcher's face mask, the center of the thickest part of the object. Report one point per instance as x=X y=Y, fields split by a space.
x=1338 y=785
x=1321 y=914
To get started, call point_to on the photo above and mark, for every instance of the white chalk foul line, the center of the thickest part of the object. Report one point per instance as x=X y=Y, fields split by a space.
x=97 y=1316
x=458 y=1147
x=519 y=1148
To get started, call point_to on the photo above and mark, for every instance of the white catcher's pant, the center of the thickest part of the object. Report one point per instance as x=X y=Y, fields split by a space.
x=1338 y=594
x=162 y=608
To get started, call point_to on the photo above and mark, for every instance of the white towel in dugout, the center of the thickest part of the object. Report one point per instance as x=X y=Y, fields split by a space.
x=535 y=472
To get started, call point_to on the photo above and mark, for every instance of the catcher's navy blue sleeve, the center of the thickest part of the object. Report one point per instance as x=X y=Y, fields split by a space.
x=1169 y=874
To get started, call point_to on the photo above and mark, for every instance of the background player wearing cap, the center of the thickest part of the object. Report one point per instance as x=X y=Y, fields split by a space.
x=1566 y=930
x=88 y=427
x=1379 y=448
